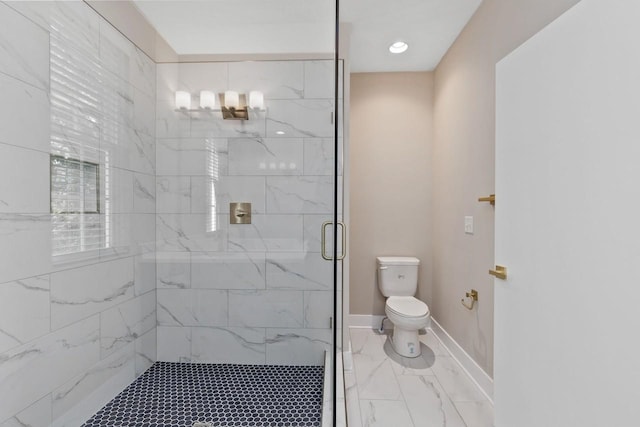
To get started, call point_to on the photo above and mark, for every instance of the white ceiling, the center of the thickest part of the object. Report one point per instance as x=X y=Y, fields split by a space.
x=307 y=26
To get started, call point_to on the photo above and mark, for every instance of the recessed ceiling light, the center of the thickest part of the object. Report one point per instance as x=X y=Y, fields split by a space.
x=398 y=47
x=279 y=132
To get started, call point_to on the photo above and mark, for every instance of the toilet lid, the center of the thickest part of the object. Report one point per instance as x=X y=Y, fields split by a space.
x=407 y=306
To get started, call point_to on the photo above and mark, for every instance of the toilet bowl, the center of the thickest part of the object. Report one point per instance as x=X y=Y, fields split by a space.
x=409 y=315
x=398 y=281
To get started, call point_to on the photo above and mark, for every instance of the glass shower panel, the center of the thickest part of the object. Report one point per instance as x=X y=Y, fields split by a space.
x=258 y=292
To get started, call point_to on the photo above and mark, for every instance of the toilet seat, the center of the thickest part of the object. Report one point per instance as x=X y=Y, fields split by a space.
x=408 y=307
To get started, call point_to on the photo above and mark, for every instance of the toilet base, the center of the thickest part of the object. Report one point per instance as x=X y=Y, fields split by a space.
x=406 y=343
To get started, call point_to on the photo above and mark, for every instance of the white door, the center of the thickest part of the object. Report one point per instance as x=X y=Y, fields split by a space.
x=567 y=318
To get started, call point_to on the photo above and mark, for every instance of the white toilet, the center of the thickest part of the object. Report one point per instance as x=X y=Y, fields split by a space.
x=398 y=281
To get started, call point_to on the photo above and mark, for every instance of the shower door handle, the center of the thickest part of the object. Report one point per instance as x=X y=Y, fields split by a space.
x=323 y=240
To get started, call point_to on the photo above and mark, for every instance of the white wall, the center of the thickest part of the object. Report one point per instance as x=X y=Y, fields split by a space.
x=567 y=171
x=72 y=335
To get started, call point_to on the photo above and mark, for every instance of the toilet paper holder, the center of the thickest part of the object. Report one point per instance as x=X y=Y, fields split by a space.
x=474 y=297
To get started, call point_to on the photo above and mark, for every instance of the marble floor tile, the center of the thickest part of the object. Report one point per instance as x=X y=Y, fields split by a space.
x=354 y=418
x=455 y=381
x=476 y=414
x=385 y=413
x=434 y=389
x=376 y=379
x=428 y=404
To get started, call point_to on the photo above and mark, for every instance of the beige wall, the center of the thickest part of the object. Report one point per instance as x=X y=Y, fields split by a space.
x=390 y=184
x=463 y=164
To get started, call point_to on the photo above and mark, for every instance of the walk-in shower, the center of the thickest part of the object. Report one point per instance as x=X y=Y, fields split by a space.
x=122 y=256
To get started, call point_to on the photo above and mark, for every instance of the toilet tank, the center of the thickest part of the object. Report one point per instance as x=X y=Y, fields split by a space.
x=398 y=276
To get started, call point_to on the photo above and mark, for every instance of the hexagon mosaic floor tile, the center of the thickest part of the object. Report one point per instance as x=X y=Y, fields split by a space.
x=217 y=395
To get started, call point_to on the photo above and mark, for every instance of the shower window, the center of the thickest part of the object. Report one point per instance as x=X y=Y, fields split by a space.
x=75 y=206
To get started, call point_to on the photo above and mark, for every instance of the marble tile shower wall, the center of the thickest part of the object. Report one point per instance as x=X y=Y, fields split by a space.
x=72 y=335
x=258 y=293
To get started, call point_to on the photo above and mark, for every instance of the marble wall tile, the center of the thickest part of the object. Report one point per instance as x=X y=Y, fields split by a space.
x=145 y=273
x=190 y=232
x=207 y=193
x=24 y=49
x=275 y=309
x=319 y=156
x=228 y=270
x=276 y=79
x=299 y=271
x=427 y=401
x=146 y=351
x=126 y=322
x=274 y=233
x=212 y=125
x=308 y=118
x=144 y=193
x=174 y=344
x=304 y=194
x=196 y=156
x=72 y=19
x=24 y=311
x=48 y=362
x=36 y=415
x=119 y=236
x=266 y=156
x=28 y=105
x=319 y=79
x=25 y=245
x=140 y=150
x=121 y=186
x=228 y=345
x=173 y=194
x=82 y=292
x=171 y=123
x=313 y=233
x=382 y=413
x=318 y=309
x=119 y=56
x=24 y=180
x=174 y=270
x=192 y=307
x=144 y=112
x=192 y=77
x=74 y=397
x=143 y=233
x=297 y=346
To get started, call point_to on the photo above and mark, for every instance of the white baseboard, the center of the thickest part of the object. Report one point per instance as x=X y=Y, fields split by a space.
x=477 y=374
x=365 y=321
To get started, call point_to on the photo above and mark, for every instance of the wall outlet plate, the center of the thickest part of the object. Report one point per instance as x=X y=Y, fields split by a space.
x=468 y=225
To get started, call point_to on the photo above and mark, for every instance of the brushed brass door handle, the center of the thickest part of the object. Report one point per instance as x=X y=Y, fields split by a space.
x=323 y=243
x=500 y=272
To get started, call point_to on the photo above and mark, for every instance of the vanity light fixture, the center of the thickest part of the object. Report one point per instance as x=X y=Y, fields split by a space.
x=256 y=100
x=233 y=105
x=207 y=99
x=398 y=47
x=183 y=100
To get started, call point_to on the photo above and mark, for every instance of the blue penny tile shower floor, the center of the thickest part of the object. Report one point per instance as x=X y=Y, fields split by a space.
x=181 y=394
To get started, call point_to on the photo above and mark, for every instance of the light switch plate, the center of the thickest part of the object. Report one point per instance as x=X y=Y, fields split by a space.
x=468 y=224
